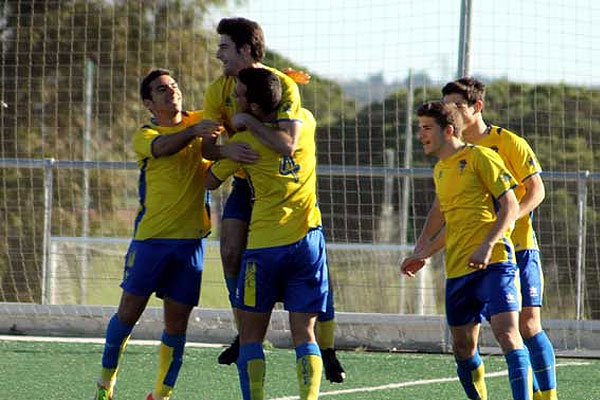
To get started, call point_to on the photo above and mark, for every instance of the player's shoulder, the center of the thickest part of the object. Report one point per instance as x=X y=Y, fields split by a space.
x=193 y=117
x=222 y=83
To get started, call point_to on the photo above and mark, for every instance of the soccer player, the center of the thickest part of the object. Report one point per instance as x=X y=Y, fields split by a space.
x=475 y=200
x=285 y=257
x=468 y=94
x=242 y=46
x=166 y=254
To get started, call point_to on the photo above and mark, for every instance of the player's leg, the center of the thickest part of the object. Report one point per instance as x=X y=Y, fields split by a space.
x=118 y=332
x=170 y=355
x=325 y=330
x=503 y=306
x=180 y=290
x=463 y=314
x=233 y=238
x=469 y=366
x=254 y=299
x=138 y=284
x=305 y=296
x=309 y=365
x=541 y=351
x=251 y=361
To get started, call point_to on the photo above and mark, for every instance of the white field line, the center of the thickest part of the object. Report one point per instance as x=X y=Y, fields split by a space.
x=92 y=340
x=414 y=383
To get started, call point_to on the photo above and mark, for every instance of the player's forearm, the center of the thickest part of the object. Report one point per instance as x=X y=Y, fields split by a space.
x=211 y=150
x=277 y=139
x=167 y=145
x=431 y=246
x=433 y=225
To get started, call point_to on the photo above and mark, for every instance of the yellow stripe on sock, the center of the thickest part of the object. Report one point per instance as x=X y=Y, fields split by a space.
x=165 y=358
x=478 y=376
x=309 y=369
x=326 y=334
x=108 y=376
x=256 y=378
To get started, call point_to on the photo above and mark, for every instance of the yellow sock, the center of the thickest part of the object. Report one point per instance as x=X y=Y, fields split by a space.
x=309 y=368
x=326 y=334
x=547 y=395
x=479 y=381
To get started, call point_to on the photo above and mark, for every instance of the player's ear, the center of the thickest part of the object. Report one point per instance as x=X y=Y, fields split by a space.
x=448 y=131
x=246 y=50
x=478 y=106
x=148 y=103
x=255 y=108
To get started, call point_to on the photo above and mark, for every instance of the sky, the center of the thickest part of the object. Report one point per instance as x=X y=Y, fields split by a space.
x=527 y=41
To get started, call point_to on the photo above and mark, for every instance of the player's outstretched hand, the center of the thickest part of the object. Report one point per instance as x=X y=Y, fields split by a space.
x=240 y=152
x=299 y=77
x=411 y=265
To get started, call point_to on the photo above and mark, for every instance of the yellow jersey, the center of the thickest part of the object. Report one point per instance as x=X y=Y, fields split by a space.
x=220 y=105
x=171 y=189
x=467 y=185
x=284 y=188
x=521 y=162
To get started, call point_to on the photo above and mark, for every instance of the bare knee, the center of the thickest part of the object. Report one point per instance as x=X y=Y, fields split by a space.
x=177 y=316
x=131 y=308
x=505 y=327
x=463 y=349
x=529 y=322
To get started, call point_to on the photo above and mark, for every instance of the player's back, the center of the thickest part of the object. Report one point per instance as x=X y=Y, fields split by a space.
x=285 y=199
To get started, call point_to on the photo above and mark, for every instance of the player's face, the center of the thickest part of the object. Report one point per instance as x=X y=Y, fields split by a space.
x=467 y=111
x=431 y=136
x=233 y=60
x=239 y=94
x=166 y=96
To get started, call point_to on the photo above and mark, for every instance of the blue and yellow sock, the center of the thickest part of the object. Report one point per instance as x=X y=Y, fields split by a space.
x=541 y=354
x=520 y=374
x=471 y=373
x=309 y=367
x=117 y=336
x=251 y=370
x=170 y=359
x=325 y=327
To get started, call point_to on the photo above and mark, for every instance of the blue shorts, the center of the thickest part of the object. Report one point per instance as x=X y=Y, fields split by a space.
x=239 y=202
x=493 y=288
x=296 y=274
x=172 y=268
x=532 y=278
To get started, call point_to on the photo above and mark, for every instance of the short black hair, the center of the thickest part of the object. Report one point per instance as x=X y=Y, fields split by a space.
x=145 y=90
x=470 y=88
x=262 y=87
x=444 y=114
x=244 y=31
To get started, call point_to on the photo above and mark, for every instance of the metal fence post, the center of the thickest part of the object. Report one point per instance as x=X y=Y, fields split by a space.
x=582 y=193
x=47 y=275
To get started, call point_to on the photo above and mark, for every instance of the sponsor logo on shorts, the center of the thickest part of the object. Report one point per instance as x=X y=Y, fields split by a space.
x=510 y=298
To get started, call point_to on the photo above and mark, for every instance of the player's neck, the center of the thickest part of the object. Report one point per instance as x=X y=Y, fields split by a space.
x=476 y=132
x=168 y=119
x=451 y=147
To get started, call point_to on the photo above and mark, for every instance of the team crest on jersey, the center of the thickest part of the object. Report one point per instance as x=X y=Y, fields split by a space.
x=287 y=166
x=286 y=107
x=531 y=161
x=505 y=177
x=495 y=148
x=461 y=165
x=228 y=101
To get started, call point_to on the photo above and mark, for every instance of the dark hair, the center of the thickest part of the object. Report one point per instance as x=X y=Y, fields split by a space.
x=145 y=89
x=262 y=87
x=471 y=89
x=243 y=31
x=444 y=114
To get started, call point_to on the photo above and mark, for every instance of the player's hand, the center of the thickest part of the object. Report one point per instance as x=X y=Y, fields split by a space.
x=411 y=265
x=207 y=129
x=299 y=77
x=480 y=257
x=240 y=152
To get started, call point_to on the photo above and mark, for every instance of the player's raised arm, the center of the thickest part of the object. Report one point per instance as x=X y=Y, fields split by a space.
x=282 y=138
x=167 y=145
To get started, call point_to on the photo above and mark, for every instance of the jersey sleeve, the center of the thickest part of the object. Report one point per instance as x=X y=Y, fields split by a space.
x=290 y=99
x=493 y=173
x=522 y=158
x=142 y=141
